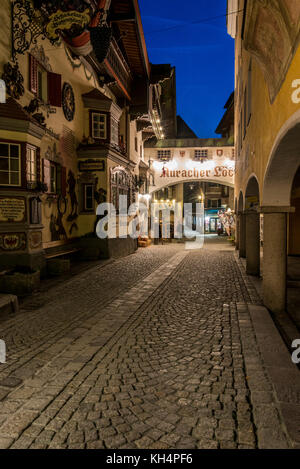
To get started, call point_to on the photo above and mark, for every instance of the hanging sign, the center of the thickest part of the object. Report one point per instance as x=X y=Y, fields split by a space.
x=65 y=20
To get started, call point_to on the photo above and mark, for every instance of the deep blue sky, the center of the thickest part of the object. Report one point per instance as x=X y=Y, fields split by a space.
x=202 y=53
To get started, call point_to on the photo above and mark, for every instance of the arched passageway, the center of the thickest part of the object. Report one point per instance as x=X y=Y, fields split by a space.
x=280 y=193
x=241 y=227
x=252 y=227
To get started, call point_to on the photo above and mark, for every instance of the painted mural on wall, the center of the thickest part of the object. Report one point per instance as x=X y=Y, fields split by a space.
x=14 y=80
x=12 y=241
x=73 y=197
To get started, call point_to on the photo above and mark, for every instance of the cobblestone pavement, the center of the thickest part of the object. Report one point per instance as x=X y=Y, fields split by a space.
x=156 y=350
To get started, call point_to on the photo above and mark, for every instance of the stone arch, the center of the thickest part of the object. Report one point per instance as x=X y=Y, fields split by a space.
x=252 y=226
x=283 y=164
x=252 y=192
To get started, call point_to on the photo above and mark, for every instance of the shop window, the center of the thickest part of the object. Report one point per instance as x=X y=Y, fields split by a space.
x=120 y=185
x=10 y=164
x=88 y=197
x=44 y=84
x=31 y=165
x=99 y=126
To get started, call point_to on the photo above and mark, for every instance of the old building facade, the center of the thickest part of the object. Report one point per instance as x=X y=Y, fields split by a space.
x=80 y=100
x=267 y=138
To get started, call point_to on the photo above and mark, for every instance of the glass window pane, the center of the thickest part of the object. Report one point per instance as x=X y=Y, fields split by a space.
x=14 y=151
x=3 y=164
x=14 y=165
x=3 y=149
x=14 y=178
x=4 y=179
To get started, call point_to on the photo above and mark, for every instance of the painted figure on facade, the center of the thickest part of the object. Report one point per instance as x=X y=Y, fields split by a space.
x=73 y=197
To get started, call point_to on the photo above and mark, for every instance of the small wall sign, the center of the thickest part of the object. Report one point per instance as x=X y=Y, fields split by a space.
x=92 y=165
x=12 y=209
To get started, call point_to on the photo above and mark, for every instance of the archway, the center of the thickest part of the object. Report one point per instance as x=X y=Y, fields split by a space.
x=252 y=217
x=277 y=209
x=241 y=226
x=217 y=199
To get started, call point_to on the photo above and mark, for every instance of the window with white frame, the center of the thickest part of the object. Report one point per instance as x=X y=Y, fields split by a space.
x=200 y=154
x=164 y=155
x=114 y=132
x=99 y=126
x=31 y=165
x=10 y=164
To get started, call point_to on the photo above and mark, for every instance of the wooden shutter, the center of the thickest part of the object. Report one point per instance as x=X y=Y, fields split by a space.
x=47 y=173
x=33 y=74
x=54 y=89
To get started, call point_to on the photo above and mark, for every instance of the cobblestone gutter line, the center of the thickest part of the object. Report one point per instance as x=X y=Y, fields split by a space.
x=35 y=395
x=30 y=334
x=166 y=365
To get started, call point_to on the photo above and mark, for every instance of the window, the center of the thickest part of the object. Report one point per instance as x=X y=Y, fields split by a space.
x=10 y=171
x=99 y=126
x=200 y=154
x=44 y=84
x=114 y=132
x=31 y=165
x=88 y=197
x=164 y=155
x=53 y=178
x=136 y=144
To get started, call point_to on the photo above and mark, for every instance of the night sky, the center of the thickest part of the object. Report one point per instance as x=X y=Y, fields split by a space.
x=203 y=54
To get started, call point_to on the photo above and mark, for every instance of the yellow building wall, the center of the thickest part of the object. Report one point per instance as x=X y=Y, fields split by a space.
x=266 y=120
x=82 y=81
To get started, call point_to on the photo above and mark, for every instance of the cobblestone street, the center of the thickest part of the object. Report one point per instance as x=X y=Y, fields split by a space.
x=161 y=349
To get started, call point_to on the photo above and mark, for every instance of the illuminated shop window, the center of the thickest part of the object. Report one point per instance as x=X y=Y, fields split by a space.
x=31 y=162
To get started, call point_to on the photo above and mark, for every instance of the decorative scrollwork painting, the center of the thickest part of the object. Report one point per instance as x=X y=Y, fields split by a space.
x=13 y=80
